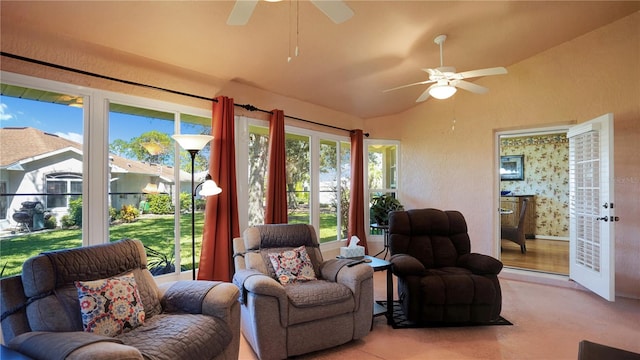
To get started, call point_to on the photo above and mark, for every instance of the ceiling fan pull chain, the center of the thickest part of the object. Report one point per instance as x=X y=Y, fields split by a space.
x=289 y=32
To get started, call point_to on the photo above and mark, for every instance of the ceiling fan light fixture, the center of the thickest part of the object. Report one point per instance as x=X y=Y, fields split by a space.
x=442 y=91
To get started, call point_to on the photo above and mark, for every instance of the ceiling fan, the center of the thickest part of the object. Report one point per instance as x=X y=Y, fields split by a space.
x=336 y=10
x=446 y=81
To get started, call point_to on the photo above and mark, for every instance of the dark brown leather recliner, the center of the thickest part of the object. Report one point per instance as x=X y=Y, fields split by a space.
x=439 y=279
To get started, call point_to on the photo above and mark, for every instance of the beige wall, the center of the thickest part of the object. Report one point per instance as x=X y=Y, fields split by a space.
x=579 y=80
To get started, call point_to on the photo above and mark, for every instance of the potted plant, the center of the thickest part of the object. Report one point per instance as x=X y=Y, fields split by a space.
x=381 y=206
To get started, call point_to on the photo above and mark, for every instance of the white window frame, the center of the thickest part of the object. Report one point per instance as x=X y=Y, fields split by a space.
x=242 y=124
x=95 y=182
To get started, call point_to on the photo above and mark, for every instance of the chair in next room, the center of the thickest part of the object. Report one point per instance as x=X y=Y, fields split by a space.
x=516 y=233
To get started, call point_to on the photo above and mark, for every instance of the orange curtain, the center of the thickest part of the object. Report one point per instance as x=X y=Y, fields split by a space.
x=356 y=205
x=276 y=212
x=221 y=214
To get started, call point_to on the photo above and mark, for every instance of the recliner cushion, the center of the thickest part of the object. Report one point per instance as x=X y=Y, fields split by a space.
x=179 y=336
x=317 y=293
x=318 y=299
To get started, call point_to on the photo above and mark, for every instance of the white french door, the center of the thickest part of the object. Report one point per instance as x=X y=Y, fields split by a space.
x=592 y=206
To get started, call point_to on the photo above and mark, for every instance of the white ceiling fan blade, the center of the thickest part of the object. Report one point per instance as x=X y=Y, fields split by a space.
x=469 y=86
x=404 y=86
x=424 y=96
x=481 y=72
x=336 y=10
x=241 y=12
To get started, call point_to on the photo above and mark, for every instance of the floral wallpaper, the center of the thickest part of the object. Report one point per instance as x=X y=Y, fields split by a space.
x=546 y=175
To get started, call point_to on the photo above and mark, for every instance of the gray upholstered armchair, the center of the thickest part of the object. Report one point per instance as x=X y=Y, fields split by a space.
x=304 y=315
x=60 y=293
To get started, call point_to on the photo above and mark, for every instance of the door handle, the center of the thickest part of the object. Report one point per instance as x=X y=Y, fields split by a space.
x=604 y=218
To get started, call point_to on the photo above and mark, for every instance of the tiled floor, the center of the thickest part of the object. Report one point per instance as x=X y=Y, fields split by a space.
x=549 y=322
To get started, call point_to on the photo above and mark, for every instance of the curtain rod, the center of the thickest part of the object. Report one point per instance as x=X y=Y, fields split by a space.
x=248 y=107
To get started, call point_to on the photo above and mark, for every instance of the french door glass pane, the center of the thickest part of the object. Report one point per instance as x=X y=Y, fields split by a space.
x=42 y=133
x=383 y=175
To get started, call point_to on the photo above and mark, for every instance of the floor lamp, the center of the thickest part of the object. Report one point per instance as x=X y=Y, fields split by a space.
x=193 y=144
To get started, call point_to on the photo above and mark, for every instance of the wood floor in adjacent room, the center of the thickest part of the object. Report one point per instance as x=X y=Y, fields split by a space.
x=551 y=256
x=548 y=324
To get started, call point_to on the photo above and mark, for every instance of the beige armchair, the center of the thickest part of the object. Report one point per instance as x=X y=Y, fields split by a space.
x=45 y=311
x=304 y=315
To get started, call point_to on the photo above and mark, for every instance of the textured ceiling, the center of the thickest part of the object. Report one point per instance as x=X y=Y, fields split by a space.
x=344 y=66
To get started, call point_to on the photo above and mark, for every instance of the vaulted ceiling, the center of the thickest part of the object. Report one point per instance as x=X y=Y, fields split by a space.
x=344 y=66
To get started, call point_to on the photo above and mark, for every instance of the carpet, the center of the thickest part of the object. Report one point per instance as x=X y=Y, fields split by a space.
x=401 y=322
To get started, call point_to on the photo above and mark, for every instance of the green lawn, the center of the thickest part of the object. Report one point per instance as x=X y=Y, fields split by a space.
x=154 y=232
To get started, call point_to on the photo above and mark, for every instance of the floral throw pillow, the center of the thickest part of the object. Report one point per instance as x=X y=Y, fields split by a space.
x=292 y=265
x=110 y=306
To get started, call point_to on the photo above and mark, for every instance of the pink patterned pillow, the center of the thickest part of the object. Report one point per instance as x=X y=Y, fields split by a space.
x=110 y=306
x=292 y=265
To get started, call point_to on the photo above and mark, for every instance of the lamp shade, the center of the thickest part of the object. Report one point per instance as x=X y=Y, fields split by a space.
x=442 y=90
x=151 y=189
x=209 y=188
x=192 y=142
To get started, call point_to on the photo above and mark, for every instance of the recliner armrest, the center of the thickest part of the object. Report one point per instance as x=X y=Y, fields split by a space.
x=194 y=296
x=71 y=345
x=403 y=264
x=480 y=264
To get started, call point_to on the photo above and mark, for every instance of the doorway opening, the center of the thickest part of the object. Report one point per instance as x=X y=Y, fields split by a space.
x=533 y=231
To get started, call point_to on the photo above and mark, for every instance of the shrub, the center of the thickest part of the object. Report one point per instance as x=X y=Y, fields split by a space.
x=67 y=221
x=50 y=222
x=185 y=201
x=160 y=204
x=113 y=214
x=129 y=213
x=75 y=211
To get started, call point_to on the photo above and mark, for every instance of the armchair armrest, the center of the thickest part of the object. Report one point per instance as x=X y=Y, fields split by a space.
x=193 y=296
x=403 y=265
x=480 y=264
x=259 y=283
x=71 y=345
x=354 y=277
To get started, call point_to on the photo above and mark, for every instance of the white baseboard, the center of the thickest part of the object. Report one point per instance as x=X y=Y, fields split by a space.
x=540 y=278
x=549 y=237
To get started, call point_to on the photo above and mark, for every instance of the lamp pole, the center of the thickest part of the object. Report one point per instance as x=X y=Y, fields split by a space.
x=193 y=213
x=193 y=144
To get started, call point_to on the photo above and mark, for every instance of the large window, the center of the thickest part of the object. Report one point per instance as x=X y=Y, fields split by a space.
x=62 y=189
x=41 y=172
x=317 y=171
x=150 y=183
x=136 y=176
x=114 y=172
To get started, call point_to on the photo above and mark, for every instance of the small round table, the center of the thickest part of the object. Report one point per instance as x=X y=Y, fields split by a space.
x=383 y=265
x=385 y=231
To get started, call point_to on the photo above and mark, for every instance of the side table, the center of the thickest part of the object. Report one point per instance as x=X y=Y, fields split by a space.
x=385 y=232
x=383 y=265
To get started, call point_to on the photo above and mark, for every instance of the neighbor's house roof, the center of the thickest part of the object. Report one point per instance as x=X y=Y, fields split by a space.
x=21 y=145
